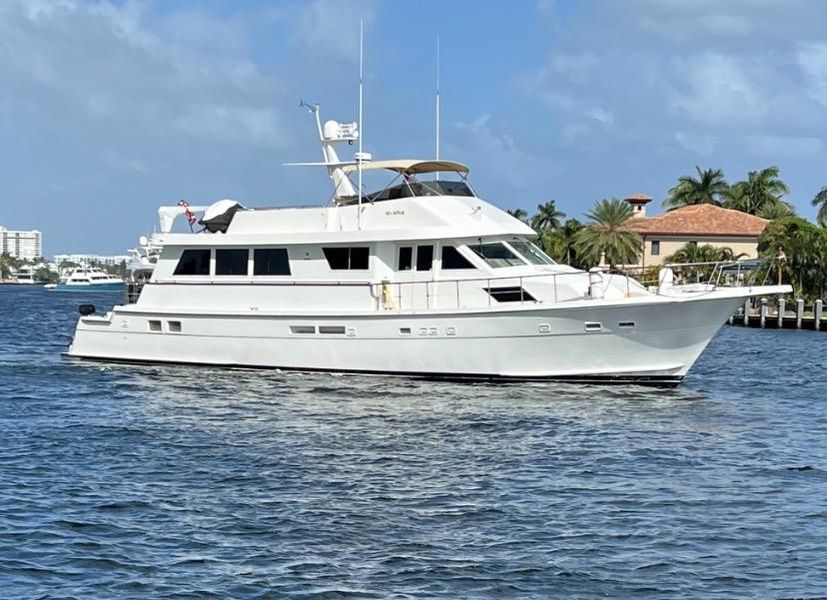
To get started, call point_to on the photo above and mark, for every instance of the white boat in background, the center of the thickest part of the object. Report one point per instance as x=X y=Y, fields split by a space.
x=421 y=278
x=139 y=268
x=89 y=278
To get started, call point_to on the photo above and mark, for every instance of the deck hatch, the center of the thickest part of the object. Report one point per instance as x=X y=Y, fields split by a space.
x=512 y=293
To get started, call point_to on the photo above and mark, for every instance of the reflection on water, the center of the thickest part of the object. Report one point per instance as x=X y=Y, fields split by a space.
x=120 y=481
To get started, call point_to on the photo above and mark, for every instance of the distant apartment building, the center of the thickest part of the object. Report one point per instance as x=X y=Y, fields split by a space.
x=25 y=245
x=112 y=261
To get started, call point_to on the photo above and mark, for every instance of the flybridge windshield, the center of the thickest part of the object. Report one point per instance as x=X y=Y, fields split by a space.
x=496 y=255
x=411 y=188
x=532 y=253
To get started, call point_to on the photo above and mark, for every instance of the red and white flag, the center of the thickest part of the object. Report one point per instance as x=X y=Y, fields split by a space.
x=191 y=218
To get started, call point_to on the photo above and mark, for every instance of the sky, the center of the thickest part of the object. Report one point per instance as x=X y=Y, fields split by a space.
x=109 y=109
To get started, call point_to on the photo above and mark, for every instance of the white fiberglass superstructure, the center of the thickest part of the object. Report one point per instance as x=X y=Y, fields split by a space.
x=422 y=278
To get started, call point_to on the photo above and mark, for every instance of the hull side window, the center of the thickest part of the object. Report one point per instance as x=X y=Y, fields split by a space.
x=271 y=261
x=193 y=262
x=231 y=261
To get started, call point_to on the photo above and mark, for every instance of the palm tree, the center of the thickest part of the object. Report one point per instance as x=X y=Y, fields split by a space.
x=605 y=236
x=820 y=201
x=707 y=188
x=518 y=213
x=762 y=188
x=776 y=210
x=568 y=233
x=548 y=218
x=560 y=244
x=805 y=248
x=694 y=253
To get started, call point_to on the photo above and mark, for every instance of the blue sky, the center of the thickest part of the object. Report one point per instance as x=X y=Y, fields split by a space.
x=110 y=109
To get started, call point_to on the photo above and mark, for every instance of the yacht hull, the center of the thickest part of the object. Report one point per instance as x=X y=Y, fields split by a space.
x=90 y=287
x=646 y=342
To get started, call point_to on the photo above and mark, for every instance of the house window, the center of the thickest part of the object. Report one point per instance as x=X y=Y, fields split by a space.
x=343 y=259
x=424 y=258
x=452 y=259
x=193 y=262
x=405 y=258
x=270 y=261
x=231 y=261
x=655 y=247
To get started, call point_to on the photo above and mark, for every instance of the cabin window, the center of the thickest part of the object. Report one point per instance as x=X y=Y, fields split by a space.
x=532 y=253
x=343 y=259
x=194 y=262
x=452 y=259
x=424 y=258
x=231 y=261
x=271 y=261
x=510 y=294
x=405 y=258
x=497 y=255
x=655 y=247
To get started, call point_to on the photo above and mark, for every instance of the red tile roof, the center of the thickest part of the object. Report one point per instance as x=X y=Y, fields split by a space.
x=639 y=198
x=700 y=220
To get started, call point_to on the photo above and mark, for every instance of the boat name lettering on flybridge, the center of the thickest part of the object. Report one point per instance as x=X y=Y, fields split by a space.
x=395 y=213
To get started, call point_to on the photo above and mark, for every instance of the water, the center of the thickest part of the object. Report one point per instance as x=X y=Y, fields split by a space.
x=144 y=482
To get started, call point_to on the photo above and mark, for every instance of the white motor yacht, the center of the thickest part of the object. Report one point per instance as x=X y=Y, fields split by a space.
x=422 y=278
x=89 y=278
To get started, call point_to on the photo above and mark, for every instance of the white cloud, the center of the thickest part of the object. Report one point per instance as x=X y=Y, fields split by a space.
x=772 y=146
x=699 y=143
x=331 y=27
x=121 y=71
x=812 y=59
x=495 y=151
x=718 y=90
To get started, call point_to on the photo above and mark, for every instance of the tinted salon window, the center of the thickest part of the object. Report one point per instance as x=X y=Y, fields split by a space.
x=194 y=262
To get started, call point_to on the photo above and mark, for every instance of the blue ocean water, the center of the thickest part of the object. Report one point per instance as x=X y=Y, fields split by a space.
x=174 y=482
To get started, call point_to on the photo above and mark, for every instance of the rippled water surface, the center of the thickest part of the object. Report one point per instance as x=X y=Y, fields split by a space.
x=119 y=481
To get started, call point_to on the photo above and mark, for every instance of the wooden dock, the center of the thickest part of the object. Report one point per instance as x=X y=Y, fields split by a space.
x=765 y=316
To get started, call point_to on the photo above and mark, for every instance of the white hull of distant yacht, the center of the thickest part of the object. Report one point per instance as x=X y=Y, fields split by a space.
x=651 y=342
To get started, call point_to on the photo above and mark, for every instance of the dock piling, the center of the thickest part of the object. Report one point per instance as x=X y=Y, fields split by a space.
x=799 y=312
x=817 y=315
x=747 y=306
x=782 y=308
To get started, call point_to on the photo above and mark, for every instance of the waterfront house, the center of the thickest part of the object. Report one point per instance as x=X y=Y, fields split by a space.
x=665 y=234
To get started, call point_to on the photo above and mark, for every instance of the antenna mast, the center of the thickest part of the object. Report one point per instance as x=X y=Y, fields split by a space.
x=361 y=134
x=437 y=97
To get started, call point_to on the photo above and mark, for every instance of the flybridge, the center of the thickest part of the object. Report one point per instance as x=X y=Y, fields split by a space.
x=405 y=184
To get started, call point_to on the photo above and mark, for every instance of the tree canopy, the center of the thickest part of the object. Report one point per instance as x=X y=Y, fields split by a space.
x=709 y=187
x=761 y=191
x=604 y=237
x=805 y=247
